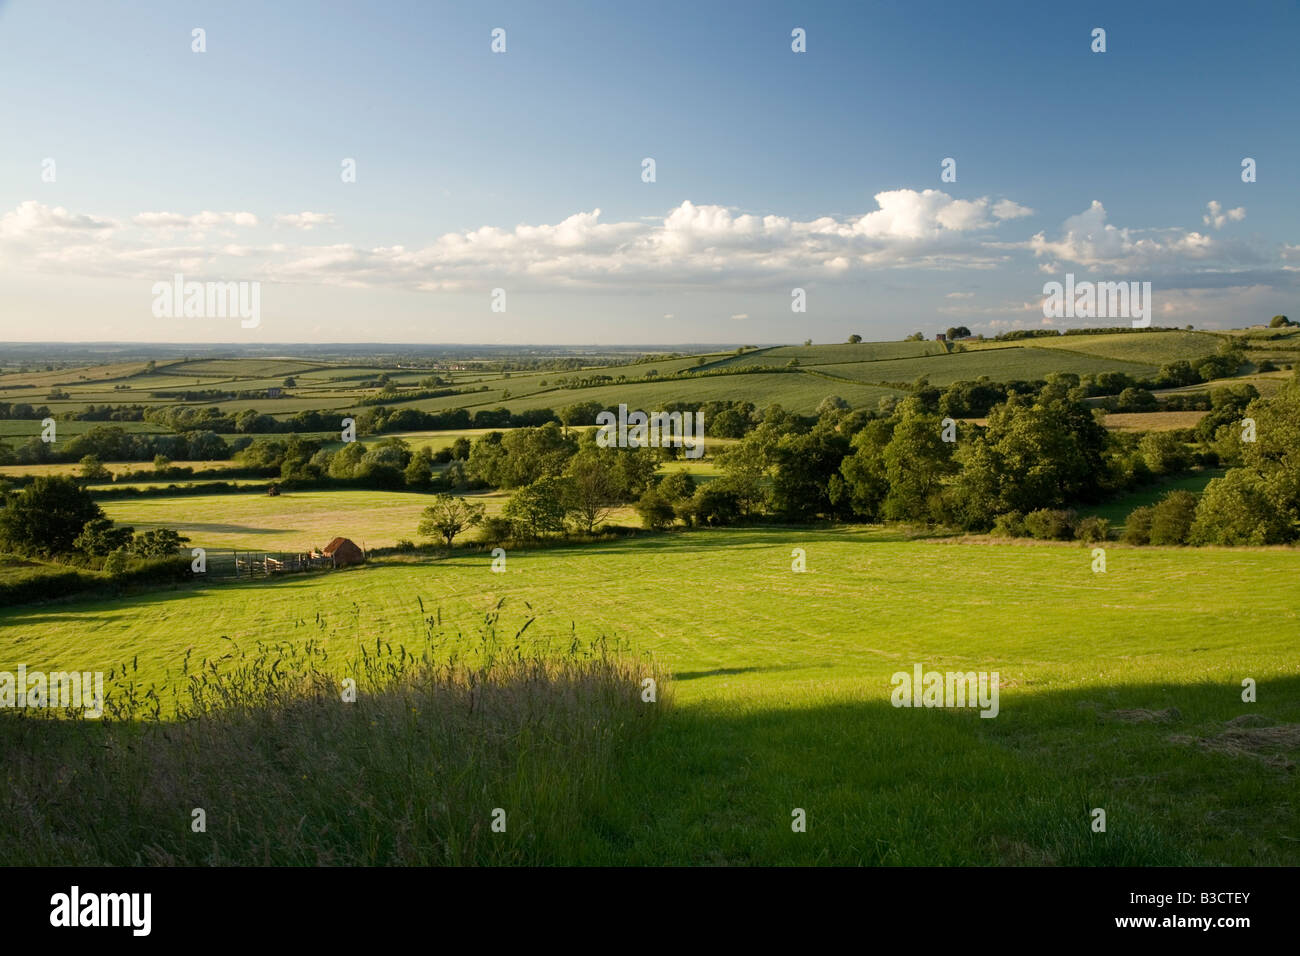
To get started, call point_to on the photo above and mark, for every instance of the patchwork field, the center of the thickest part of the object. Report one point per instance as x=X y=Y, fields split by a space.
x=1153 y=348
x=1004 y=364
x=291 y=521
x=1119 y=690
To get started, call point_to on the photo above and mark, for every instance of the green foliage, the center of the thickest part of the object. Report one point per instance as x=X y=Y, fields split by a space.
x=157 y=543
x=1010 y=525
x=715 y=504
x=1092 y=530
x=655 y=510
x=677 y=486
x=864 y=469
x=805 y=465
x=918 y=463
x=46 y=517
x=1050 y=524
x=116 y=563
x=1171 y=518
x=419 y=470
x=495 y=530
x=521 y=456
x=1239 y=509
x=100 y=536
x=92 y=469
x=539 y=509
x=1137 y=529
x=448 y=516
x=1165 y=453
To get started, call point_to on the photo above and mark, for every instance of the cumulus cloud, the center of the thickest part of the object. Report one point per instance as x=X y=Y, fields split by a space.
x=33 y=219
x=203 y=220
x=908 y=214
x=305 y=220
x=692 y=245
x=1088 y=239
x=1006 y=209
x=1215 y=217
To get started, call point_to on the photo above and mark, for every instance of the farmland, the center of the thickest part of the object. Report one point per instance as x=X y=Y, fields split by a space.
x=792 y=708
x=1119 y=690
x=862 y=374
x=296 y=521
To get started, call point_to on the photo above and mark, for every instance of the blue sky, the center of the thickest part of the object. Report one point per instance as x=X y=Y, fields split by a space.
x=774 y=169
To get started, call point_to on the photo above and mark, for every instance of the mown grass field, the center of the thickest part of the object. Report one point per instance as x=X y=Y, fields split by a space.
x=17 y=430
x=1152 y=348
x=291 y=521
x=1004 y=364
x=1152 y=421
x=1117 y=511
x=1117 y=690
x=1266 y=383
x=828 y=354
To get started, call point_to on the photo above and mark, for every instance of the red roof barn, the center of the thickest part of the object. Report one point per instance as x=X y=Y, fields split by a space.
x=344 y=551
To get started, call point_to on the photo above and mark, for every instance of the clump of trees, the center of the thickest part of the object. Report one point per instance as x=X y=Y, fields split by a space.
x=54 y=518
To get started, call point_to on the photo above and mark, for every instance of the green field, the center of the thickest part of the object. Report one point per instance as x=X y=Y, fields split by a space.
x=828 y=354
x=1117 y=511
x=16 y=429
x=1152 y=348
x=1002 y=365
x=291 y=521
x=1118 y=690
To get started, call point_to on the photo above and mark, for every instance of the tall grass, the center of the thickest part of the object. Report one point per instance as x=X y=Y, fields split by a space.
x=288 y=773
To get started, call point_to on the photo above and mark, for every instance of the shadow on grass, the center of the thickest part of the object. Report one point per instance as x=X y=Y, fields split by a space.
x=729 y=671
x=1186 y=774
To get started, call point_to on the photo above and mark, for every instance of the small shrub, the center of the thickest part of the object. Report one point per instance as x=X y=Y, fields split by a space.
x=495 y=530
x=655 y=510
x=1009 y=525
x=115 y=563
x=1050 y=524
x=1092 y=530
x=1137 y=529
x=1172 y=517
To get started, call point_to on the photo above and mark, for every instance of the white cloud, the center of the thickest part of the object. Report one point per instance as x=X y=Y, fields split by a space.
x=908 y=214
x=740 y=315
x=33 y=219
x=203 y=220
x=305 y=220
x=1088 y=239
x=1006 y=209
x=691 y=246
x=1215 y=217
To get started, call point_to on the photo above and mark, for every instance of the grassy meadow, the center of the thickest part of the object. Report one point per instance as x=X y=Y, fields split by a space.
x=290 y=521
x=1118 y=690
x=522 y=690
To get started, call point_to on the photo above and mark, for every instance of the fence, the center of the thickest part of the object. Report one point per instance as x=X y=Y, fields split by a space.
x=254 y=564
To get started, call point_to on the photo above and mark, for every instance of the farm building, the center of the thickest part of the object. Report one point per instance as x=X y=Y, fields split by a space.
x=344 y=551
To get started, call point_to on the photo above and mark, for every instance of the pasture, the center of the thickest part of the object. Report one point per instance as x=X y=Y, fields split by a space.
x=1151 y=348
x=1119 y=690
x=1003 y=365
x=291 y=521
